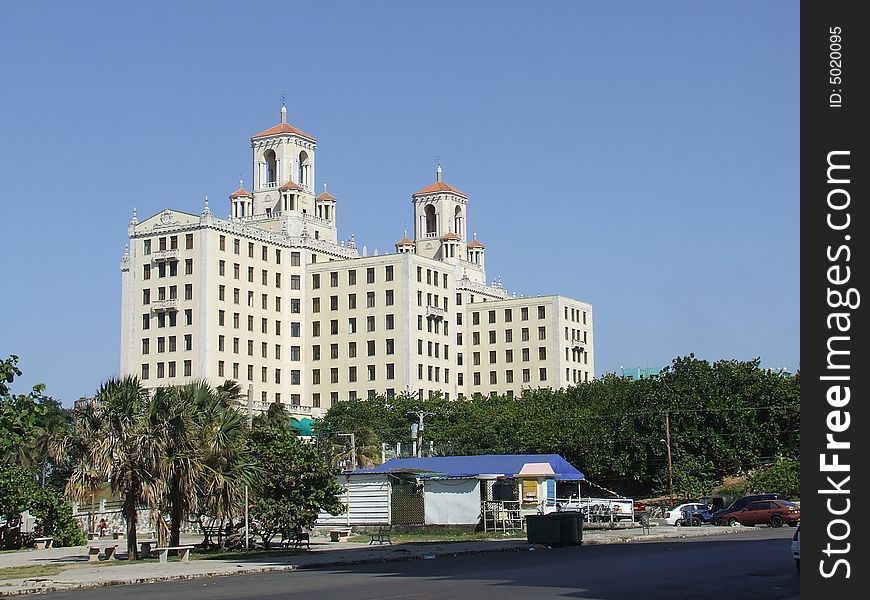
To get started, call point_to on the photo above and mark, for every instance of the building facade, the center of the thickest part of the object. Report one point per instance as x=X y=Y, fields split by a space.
x=271 y=298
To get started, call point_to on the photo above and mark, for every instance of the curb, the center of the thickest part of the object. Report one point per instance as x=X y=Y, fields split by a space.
x=56 y=586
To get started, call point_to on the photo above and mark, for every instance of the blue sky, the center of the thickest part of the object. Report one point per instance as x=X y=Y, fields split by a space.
x=641 y=156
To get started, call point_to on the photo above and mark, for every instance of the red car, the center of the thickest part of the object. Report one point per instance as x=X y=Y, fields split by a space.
x=770 y=512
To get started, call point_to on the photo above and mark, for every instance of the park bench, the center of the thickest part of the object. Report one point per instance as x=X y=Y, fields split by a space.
x=43 y=542
x=183 y=552
x=336 y=534
x=107 y=549
x=382 y=535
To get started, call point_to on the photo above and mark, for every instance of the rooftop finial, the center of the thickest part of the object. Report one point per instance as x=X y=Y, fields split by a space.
x=205 y=209
x=134 y=220
x=241 y=183
x=284 y=107
x=439 y=174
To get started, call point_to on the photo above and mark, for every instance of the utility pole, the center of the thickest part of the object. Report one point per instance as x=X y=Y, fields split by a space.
x=670 y=465
x=420 y=414
x=250 y=425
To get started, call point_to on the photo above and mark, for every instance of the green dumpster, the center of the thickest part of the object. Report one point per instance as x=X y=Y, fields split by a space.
x=555 y=529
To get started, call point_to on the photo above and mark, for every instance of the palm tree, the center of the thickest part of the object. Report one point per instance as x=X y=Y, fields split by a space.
x=203 y=462
x=118 y=447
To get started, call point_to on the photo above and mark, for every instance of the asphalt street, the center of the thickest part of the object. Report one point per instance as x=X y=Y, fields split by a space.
x=753 y=566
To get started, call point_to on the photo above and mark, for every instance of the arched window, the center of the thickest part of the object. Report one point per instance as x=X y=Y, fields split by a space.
x=304 y=169
x=457 y=222
x=271 y=167
x=429 y=213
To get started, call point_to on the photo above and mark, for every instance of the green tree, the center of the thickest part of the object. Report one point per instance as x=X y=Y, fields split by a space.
x=55 y=519
x=783 y=476
x=19 y=415
x=295 y=484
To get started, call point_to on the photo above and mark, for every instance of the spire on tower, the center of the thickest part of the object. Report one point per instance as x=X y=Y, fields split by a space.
x=439 y=174
x=284 y=107
x=134 y=220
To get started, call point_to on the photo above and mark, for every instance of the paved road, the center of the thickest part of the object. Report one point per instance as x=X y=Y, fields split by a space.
x=751 y=566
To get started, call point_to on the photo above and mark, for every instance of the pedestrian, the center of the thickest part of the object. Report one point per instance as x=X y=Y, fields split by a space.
x=102 y=527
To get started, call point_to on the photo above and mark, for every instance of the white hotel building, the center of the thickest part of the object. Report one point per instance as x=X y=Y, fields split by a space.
x=271 y=298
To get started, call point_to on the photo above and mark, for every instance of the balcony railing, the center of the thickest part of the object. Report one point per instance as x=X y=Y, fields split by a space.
x=430 y=234
x=269 y=185
x=163 y=305
x=435 y=312
x=163 y=255
x=578 y=343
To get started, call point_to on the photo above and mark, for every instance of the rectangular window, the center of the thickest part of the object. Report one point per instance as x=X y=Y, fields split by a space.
x=250 y=249
x=295 y=377
x=388 y=299
x=295 y=282
x=524 y=313
x=527 y=376
x=525 y=355
x=390 y=346
x=333 y=327
x=315 y=377
x=391 y=371
x=147 y=247
x=145 y=345
x=525 y=334
x=188 y=241
x=388 y=273
x=220 y=368
x=333 y=375
x=295 y=353
x=371 y=372
x=333 y=279
x=315 y=281
x=370 y=299
x=492 y=337
x=161 y=370
x=475 y=318
x=351 y=349
x=390 y=322
x=493 y=378
x=264 y=325
x=146 y=296
x=277 y=256
x=542 y=312
x=171 y=368
x=264 y=277
x=264 y=253
x=370 y=275
x=188 y=291
x=351 y=277
x=222 y=267
x=351 y=325
x=188 y=368
x=509 y=356
x=295 y=329
x=351 y=301
x=315 y=305
x=294 y=259
x=188 y=342
x=492 y=357
x=509 y=335
x=333 y=303
x=542 y=353
x=542 y=333
x=370 y=323
x=188 y=266
x=315 y=328
x=146 y=272
x=543 y=374
x=492 y=316
x=333 y=351
x=370 y=348
x=145 y=373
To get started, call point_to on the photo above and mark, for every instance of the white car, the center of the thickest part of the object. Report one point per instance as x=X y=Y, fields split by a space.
x=674 y=516
x=796 y=547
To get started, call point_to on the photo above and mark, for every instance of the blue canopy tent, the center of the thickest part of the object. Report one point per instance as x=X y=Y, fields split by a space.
x=507 y=465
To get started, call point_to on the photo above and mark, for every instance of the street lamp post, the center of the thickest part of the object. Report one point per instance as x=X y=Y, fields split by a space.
x=670 y=464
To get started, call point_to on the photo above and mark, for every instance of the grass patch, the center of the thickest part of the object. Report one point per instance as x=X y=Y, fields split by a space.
x=441 y=536
x=31 y=571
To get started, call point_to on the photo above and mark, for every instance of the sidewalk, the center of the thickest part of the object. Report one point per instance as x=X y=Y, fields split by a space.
x=323 y=554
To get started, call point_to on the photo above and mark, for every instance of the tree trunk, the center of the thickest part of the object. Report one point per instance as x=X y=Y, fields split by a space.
x=175 y=514
x=130 y=515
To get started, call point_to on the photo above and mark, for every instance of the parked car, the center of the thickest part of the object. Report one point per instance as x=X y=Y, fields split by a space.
x=770 y=512
x=675 y=516
x=740 y=504
x=796 y=547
